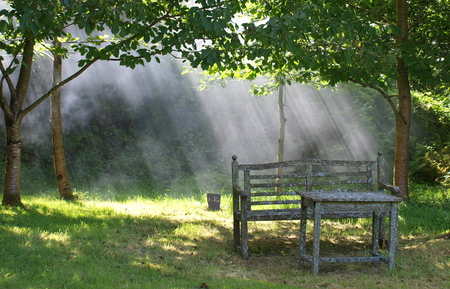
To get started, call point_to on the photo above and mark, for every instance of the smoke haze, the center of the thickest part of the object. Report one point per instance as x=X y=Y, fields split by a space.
x=184 y=135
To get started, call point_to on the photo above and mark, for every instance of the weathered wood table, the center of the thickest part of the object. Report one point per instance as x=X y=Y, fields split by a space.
x=334 y=202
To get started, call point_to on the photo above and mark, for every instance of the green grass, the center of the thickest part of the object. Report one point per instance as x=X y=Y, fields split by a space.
x=173 y=242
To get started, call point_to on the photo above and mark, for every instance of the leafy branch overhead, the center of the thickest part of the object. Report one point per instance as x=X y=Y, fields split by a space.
x=131 y=32
x=336 y=41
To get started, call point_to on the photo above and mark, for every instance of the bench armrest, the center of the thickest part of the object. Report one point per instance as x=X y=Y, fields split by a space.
x=393 y=189
x=238 y=191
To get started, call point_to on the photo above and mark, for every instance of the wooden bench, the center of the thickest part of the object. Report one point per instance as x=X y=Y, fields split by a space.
x=266 y=194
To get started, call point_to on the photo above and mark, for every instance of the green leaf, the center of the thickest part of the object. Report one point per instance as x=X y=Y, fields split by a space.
x=89 y=27
x=206 y=23
x=3 y=26
x=34 y=28
x=146 y=38
x=217 y=27
x=114 y=28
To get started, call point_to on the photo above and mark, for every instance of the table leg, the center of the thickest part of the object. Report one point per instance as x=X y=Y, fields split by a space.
x=375 y=232
x=375 y=235
x=393 y=234
x=316 y=238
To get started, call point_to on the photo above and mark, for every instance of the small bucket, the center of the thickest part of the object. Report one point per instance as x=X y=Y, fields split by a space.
x=213 y=202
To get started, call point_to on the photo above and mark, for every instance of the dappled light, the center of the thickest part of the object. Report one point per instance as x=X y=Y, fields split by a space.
x=179 y=243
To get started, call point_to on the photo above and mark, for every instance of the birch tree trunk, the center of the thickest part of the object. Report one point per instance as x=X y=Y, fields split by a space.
x=280 y=155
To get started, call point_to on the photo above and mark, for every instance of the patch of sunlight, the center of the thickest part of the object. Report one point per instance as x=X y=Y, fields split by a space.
x=146 y=262
x=191 y=230
x=19 y=230
x=7 y=275
x=59 y=237
x=175 y=209
x=133 y=209
x=444 y=265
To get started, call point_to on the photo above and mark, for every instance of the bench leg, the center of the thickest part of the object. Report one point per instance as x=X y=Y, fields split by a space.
x=393 y=234
x=316 y=238
x=237 y=233
x=303 y=220
x=244 y=227
x=236 y=222
x=244 y=238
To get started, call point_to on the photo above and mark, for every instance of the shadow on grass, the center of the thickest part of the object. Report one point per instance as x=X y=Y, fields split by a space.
x=83 y=246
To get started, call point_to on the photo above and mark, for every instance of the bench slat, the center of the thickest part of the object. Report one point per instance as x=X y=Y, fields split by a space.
x=283 y=176
x=274 y=194
x=307 y=162
x=273 y=185
x=303 y=175
x=279 y=202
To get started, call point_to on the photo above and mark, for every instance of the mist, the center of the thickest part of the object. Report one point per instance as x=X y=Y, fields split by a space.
x=182 y=138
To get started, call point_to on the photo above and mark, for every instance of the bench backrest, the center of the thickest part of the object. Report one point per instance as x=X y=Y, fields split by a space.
x=274 y=185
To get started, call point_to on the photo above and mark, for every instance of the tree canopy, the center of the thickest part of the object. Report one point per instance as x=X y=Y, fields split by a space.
x=128 y=31
x=393 y=47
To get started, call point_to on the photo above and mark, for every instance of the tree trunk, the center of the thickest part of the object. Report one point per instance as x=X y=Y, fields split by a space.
x=11 y=191
x=280 y=155
x=59 y=161
x=403 y=118
x=13 y=122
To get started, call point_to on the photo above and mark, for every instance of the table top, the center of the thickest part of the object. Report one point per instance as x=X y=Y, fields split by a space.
x=350 y=197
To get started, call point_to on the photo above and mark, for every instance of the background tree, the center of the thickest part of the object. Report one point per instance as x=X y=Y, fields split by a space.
x=388 y=46
x=59 y=160
x=139 y=31
x=281 y=135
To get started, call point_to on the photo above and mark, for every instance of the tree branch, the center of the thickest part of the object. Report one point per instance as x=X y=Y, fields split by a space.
x=384 y=94
x=379 y=16
x=59 y=85
x=3 y=103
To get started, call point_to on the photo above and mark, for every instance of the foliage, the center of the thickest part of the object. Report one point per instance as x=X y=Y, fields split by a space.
x=427 y=209
x=431 y=158
x=135 y=32
x=382 y=45
x=307 y=40
x=176 y=243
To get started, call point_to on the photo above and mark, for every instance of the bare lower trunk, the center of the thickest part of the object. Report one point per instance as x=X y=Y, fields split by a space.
x=59 y=161
x=402 y=133
x=11 y=192
x=403 y=117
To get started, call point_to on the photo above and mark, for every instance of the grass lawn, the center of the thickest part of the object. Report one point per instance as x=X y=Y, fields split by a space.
x=174 y=242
